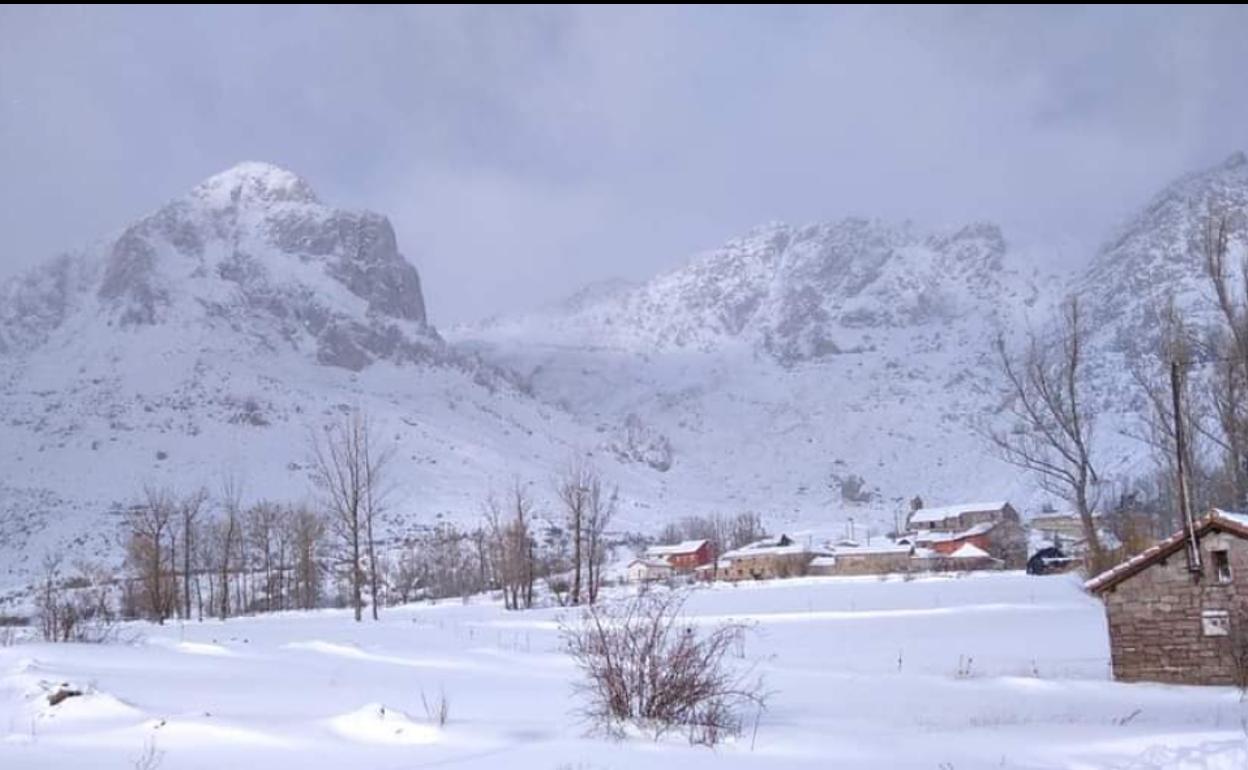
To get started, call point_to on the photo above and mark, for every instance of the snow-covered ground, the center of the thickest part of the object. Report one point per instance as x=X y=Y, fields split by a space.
x=984 y=671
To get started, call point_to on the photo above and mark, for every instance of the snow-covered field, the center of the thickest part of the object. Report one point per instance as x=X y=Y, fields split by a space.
x=999 y=670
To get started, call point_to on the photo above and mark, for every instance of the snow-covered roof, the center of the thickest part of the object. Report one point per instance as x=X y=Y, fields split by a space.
x=683 y=547
x=970 y=551
x=651 y=563
x=781 y=545
x=932 y=515
x=1234 y=522
x=1237 y=518
x=873 y=550
x=981 y=528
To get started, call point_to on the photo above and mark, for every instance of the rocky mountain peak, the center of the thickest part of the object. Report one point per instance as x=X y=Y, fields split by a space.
x=252 y=252
x=252 y=182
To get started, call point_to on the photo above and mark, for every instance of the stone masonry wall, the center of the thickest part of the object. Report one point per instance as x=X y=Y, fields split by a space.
x=1155 y=624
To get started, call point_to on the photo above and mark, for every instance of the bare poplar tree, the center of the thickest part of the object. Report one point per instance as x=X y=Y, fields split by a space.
x=1053 y=417
x=307 y=541
x=598 y=515
x=348 y=469
x=573 y=488
x=228 y=535
x=263 y=520
x=189 y=509
x=147 y=525
x=512 y=547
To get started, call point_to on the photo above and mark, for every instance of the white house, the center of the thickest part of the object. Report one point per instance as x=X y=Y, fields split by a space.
x=648 y=570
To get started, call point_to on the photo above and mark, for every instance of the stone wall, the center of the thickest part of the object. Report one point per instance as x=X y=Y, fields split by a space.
x=1155 y=618
x=871 y=564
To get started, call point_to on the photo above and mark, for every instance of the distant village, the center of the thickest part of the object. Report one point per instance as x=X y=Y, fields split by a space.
x=953 y=538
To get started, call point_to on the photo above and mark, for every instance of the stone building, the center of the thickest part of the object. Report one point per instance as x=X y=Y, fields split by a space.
x=1169 y=624
x=953 y=518
x=995 y=528
x=879 y=559
x=773 y=557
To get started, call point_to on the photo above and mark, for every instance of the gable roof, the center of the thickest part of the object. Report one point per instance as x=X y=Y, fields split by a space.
x=932 y=515
x=651 y=563
x=782 y=545
x=970 y=551
x=1234 y=523
x=684 y=547
x=932 y=536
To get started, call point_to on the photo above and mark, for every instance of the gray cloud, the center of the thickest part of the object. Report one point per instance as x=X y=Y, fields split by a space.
x=522 y=152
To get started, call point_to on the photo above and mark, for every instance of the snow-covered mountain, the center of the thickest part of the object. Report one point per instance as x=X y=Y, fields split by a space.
x=1159 y=253
x=813 y=374
x=835 y=370
x=211 y=337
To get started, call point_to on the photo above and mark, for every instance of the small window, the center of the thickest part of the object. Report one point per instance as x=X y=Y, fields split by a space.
x=1222 y=566
x=1215 y=622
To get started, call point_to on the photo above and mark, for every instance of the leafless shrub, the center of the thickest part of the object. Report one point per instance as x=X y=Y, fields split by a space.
x=645 y=666
x=77 y=609
x=437 y=710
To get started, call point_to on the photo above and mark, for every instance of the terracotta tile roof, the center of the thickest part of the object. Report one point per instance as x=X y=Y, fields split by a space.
x=1229 y=522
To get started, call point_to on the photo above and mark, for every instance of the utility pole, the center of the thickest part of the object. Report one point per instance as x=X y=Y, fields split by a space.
x=1185 y=503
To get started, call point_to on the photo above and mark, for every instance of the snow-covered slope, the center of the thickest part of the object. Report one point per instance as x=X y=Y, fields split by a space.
x=1159 y=253
x=211 y=338
x=813 y=374
x=836 y=370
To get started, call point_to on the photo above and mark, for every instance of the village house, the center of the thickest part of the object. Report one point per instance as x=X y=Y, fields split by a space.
x=952 y=518
x=772 y=557
x=854 y=559
x=1168 y=623
x=685 y=556
x=994 y=528
x=648 y=570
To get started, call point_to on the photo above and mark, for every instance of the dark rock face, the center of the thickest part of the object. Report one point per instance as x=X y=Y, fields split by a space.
x=130 y=280
x=364 y=257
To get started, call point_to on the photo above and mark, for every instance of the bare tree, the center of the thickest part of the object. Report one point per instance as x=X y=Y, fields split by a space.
x=573 y=490
x=147 y=525
x=228 y=534
x=307 y=541
x=76 y=609
x=348 y=469
x=263 y=522
x=512 y=547
x=598 y=515
x=1176 y=342
x=1229 y=392
x=1052 y=433
x=189 y=509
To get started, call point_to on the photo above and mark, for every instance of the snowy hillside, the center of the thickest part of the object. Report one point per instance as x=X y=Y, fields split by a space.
x=814 y=374
x=212 y=337
x=834 y=371
x=1158 y=253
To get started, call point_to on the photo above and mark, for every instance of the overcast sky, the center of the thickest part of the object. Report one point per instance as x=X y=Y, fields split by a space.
x=521 y=153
